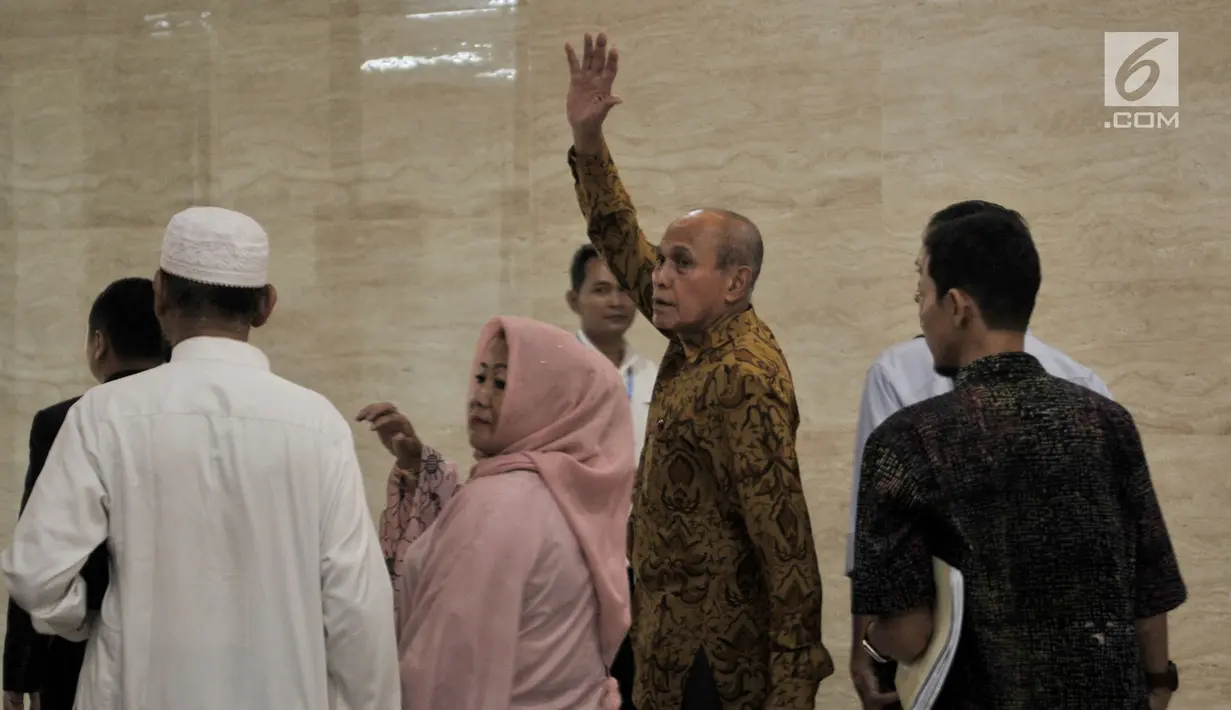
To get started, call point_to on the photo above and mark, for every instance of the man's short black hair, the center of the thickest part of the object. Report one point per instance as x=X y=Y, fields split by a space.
x=989 y=254
x=958 y=210
x=196 y=300
x=124 y=312
x=581 y=259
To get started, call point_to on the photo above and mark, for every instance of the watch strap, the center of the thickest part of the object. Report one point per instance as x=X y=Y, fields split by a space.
x=867 y=647
x=1168 y=680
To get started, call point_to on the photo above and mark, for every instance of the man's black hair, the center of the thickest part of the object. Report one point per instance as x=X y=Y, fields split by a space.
x=581 y=259
x=124 y=312
x=989 y=254
x=957 y=210
x=195 y=299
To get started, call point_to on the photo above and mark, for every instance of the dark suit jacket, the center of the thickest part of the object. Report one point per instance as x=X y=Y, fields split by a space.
x=34 y=663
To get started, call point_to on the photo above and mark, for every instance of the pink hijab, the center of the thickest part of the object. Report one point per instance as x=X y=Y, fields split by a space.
x=566 y=416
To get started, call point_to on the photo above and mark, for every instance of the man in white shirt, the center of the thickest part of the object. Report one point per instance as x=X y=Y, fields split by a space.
x=606 y=312
x=902 y=375
x=246 y=572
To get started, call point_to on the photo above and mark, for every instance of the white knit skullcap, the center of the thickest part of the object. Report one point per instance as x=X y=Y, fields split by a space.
x=213 y=245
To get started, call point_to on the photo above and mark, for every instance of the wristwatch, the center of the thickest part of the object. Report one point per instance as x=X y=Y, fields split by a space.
x=1168 y=680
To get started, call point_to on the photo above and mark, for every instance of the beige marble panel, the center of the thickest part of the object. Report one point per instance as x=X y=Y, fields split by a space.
x=407 y=157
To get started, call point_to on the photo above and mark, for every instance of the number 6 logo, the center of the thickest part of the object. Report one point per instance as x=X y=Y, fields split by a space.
x=1149 y=62
x=1132 y=64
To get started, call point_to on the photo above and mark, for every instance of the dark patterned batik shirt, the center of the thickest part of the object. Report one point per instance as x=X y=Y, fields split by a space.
x=1037 y=490
x=722 y=548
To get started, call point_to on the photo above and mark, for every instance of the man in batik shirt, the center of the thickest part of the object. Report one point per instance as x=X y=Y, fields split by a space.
x=1035 y=488
x=727 y=604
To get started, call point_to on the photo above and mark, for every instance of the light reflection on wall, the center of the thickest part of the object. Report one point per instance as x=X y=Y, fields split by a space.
x=471 y=55
x=162 y=24
x=493 y=6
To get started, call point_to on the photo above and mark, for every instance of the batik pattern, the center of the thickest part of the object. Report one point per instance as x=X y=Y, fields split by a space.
x=722 y=545
x=1038 y=491
x=413 y=504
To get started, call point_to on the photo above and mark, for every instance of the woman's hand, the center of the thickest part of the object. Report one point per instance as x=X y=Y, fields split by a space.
x=396 y=433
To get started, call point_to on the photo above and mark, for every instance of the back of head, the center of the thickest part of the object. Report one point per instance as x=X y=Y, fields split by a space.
x=986 y=251
x=741 y=244
x=965 y=208
x=198 y=300
x=215 y=264
x=124 y=313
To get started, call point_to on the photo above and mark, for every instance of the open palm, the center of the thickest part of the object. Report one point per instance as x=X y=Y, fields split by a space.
x=590 y=80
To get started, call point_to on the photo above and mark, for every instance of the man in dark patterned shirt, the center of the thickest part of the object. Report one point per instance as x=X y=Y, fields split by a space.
x=1036 y=489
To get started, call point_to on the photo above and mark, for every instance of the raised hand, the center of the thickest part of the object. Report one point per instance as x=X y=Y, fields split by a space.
x=589 y=89
x=396 y=433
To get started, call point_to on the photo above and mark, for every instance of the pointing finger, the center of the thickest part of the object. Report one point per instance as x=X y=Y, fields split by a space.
x=587 y=55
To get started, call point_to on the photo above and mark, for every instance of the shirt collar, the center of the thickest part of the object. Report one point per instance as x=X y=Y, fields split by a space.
x=1028 y=334
x=220 y=349
x=121 y=374
x=724 y=331
x=1007 y=366
x=630 y=357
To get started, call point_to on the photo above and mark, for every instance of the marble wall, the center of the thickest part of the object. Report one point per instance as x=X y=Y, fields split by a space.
x=408 y=159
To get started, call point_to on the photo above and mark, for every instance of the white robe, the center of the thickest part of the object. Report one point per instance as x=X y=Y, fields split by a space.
x=246 y=571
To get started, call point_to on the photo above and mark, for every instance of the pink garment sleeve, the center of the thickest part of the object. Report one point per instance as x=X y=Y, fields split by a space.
x=411 y=506
x=458 y=649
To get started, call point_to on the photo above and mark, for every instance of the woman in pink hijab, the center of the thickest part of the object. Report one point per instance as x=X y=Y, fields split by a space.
x=513 y=595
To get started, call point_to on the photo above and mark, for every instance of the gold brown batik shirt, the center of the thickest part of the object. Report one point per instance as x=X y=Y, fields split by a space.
x=722 y=547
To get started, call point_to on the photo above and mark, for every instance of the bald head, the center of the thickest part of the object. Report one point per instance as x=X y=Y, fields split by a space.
x=708 y=263
x=741 y=244
x=736 y=239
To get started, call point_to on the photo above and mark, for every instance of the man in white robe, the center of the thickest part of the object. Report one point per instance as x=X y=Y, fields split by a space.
x=246 y=571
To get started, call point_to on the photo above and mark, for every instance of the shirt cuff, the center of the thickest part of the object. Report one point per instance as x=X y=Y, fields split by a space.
x=890 y=596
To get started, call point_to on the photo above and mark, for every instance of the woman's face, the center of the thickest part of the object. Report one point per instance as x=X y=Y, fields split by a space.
x=487 y=394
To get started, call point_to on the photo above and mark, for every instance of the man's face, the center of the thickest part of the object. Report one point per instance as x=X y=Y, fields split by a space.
x=935 y=319
x=690 y=289
x=605 y=309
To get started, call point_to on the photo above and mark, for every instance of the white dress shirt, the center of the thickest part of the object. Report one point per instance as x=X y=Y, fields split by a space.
x=245 y=569
x=639 y=374
x=903 y=375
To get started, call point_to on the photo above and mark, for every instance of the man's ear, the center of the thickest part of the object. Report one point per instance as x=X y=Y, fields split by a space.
x=98 y=345
x=570 y=297
x=160 y=294
x=740 y=284
x=962 y=308
x=267 y=306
